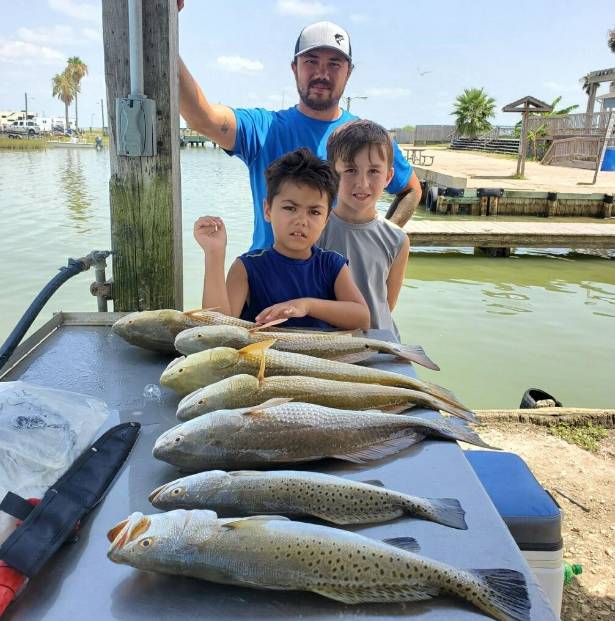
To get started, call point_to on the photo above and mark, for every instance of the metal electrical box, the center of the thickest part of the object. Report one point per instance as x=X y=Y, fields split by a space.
x=136 y=127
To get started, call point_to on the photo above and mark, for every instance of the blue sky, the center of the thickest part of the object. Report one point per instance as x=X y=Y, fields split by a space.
x=240 y=51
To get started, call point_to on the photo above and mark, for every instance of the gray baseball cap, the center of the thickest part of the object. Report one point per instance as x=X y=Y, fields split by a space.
x=324 y=34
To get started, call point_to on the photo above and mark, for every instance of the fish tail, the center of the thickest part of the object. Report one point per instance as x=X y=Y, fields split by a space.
x=412 y=353
x=459 y=412
x=505 y=592
x=456 y=430
x=445 y=511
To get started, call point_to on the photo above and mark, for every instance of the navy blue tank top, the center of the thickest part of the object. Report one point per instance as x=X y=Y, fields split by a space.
x=274 y=278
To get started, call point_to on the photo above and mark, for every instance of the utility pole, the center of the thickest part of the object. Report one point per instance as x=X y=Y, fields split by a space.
x=102 y=117
x=145 y=191
x=349 y=99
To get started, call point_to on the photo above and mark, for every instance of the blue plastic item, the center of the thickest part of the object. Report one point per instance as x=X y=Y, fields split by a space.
x=608 y=163
x=531 y=514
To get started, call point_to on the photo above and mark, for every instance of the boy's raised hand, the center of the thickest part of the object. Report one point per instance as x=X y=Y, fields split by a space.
x=210 y=233
x=284 y=310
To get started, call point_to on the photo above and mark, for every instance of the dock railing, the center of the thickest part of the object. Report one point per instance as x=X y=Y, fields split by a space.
x=565 y=125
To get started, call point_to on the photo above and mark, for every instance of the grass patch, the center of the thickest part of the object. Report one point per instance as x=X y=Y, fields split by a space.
x=24 y=144
x=586 y=437
x=517 y=176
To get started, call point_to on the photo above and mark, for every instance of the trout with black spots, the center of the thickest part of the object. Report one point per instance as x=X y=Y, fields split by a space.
x=186 y=374
x=289 y=492
x=274 y=553
x=279 y=432
x=343 y=348
x=242 y=391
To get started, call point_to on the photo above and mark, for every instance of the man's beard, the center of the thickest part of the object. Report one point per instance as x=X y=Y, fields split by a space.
x=316 y=103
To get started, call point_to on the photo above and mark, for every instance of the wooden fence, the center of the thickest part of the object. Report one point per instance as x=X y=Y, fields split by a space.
x=563 y=125
x=568 y=149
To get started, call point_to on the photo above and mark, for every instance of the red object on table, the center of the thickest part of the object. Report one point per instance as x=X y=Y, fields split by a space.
x=11 y=580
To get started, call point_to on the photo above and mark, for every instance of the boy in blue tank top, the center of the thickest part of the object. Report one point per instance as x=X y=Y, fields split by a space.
x=293 y=279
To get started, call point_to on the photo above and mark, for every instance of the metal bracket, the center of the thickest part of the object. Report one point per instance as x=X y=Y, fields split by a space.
x=499 y=192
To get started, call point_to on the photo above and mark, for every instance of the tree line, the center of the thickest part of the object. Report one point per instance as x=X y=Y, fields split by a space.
x=66 y=85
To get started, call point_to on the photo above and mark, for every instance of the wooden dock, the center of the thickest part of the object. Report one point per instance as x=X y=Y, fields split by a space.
x=506 y=235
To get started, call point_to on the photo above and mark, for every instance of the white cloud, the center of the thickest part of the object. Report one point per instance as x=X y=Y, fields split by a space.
x=92 y=35
x=26 y=53
x=303 y=9
x=253 y=96
x=236 y=64
x=553 y=86
x=357 y=18
x=388 y=93
x=561 y=88
x=78 y=10
x=44 y=34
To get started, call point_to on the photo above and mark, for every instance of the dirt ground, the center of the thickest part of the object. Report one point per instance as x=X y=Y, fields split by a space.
x=589 y=537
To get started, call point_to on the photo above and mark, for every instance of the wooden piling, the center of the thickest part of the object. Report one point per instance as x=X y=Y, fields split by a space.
x=493 y=205
x=551 y=204
x=607 y=206
x=484 y=203
x=145 y=192
x=441 y=206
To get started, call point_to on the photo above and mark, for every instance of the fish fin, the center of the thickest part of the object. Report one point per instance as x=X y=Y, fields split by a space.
x=259 y=409
x=275 y=322
x=375 y=482
x=384 y=449
x=414 y=353
x=252 y=521
x=507 y=591
x=396 y=409
x=461 y=431
x=445 y=511
x=366 y=594
x=459 y=412
x=196 y=311
x=356 y=357
x=409 y=544
x=245 y=473
x=256 y=347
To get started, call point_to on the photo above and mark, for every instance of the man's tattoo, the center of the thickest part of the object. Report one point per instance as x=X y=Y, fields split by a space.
x=225 y=126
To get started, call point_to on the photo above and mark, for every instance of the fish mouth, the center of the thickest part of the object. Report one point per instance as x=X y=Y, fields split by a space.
x=126 y=531
x=152 y=497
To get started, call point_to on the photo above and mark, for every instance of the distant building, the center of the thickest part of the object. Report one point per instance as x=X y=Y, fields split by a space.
x=607 y=102
x=46 y=123
x=8 y=116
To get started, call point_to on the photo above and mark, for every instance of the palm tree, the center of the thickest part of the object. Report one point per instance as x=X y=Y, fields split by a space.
x=473 y=110
x=611 y=40
x=587 y=87
x=64 y=90
x=76 y=69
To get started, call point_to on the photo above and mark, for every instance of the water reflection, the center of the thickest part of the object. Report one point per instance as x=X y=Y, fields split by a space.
x=74 y=185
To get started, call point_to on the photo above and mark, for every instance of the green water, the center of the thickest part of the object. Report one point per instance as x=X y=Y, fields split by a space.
x=495 y=326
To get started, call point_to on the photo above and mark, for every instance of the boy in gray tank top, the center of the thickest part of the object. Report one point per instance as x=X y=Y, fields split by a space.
x=377 y=250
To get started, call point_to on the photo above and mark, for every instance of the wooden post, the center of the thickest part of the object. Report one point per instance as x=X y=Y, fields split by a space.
x=441 y=206
x=484 y=201
x=145 y=192
x=591 y=99
x=521 y=160
x=454 y=209
x=493 y=205
x=551 y=204
x=607 y=206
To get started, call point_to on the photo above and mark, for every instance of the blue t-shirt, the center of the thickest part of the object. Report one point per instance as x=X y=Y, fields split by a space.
x=274 y=278
x=263 y=136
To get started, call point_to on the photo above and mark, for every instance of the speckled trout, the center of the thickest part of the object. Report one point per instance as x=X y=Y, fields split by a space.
x=290 y=492
x=281 y=431
x=271 y=552
x=186 y=374
x=343 y=348
x=242 y=391
x=156 y=330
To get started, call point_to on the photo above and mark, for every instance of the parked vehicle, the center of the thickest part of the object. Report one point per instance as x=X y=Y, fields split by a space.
x=24 y=127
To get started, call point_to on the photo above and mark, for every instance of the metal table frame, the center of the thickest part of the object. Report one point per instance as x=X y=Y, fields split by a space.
x=79 y=352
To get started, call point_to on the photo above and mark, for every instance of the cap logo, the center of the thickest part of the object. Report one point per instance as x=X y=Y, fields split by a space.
x=339 y=38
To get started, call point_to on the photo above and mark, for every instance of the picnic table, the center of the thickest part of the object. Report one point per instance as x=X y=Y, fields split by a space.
x=414 y=155
x=79 y=352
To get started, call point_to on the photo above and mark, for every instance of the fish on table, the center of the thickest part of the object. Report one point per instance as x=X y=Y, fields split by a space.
x=241 y=391
x=156 y=330
x=272 y=552
x=297 y=493
x=186 y=374
x=281 y=431
x=341 y=347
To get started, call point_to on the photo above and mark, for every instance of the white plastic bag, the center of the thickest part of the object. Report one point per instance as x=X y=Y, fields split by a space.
x=42 y=432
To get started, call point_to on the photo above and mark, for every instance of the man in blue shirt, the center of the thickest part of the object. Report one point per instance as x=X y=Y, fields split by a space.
x=322 y=65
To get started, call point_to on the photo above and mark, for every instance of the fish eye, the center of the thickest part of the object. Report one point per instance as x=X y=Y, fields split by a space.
x=199 y=336
x=177 y=491
x=178 y=439
x=180 y=370
x=202 y=401
x=146 y=543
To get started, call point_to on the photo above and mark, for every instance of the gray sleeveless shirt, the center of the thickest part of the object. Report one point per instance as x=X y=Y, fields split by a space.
x=371 y=249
